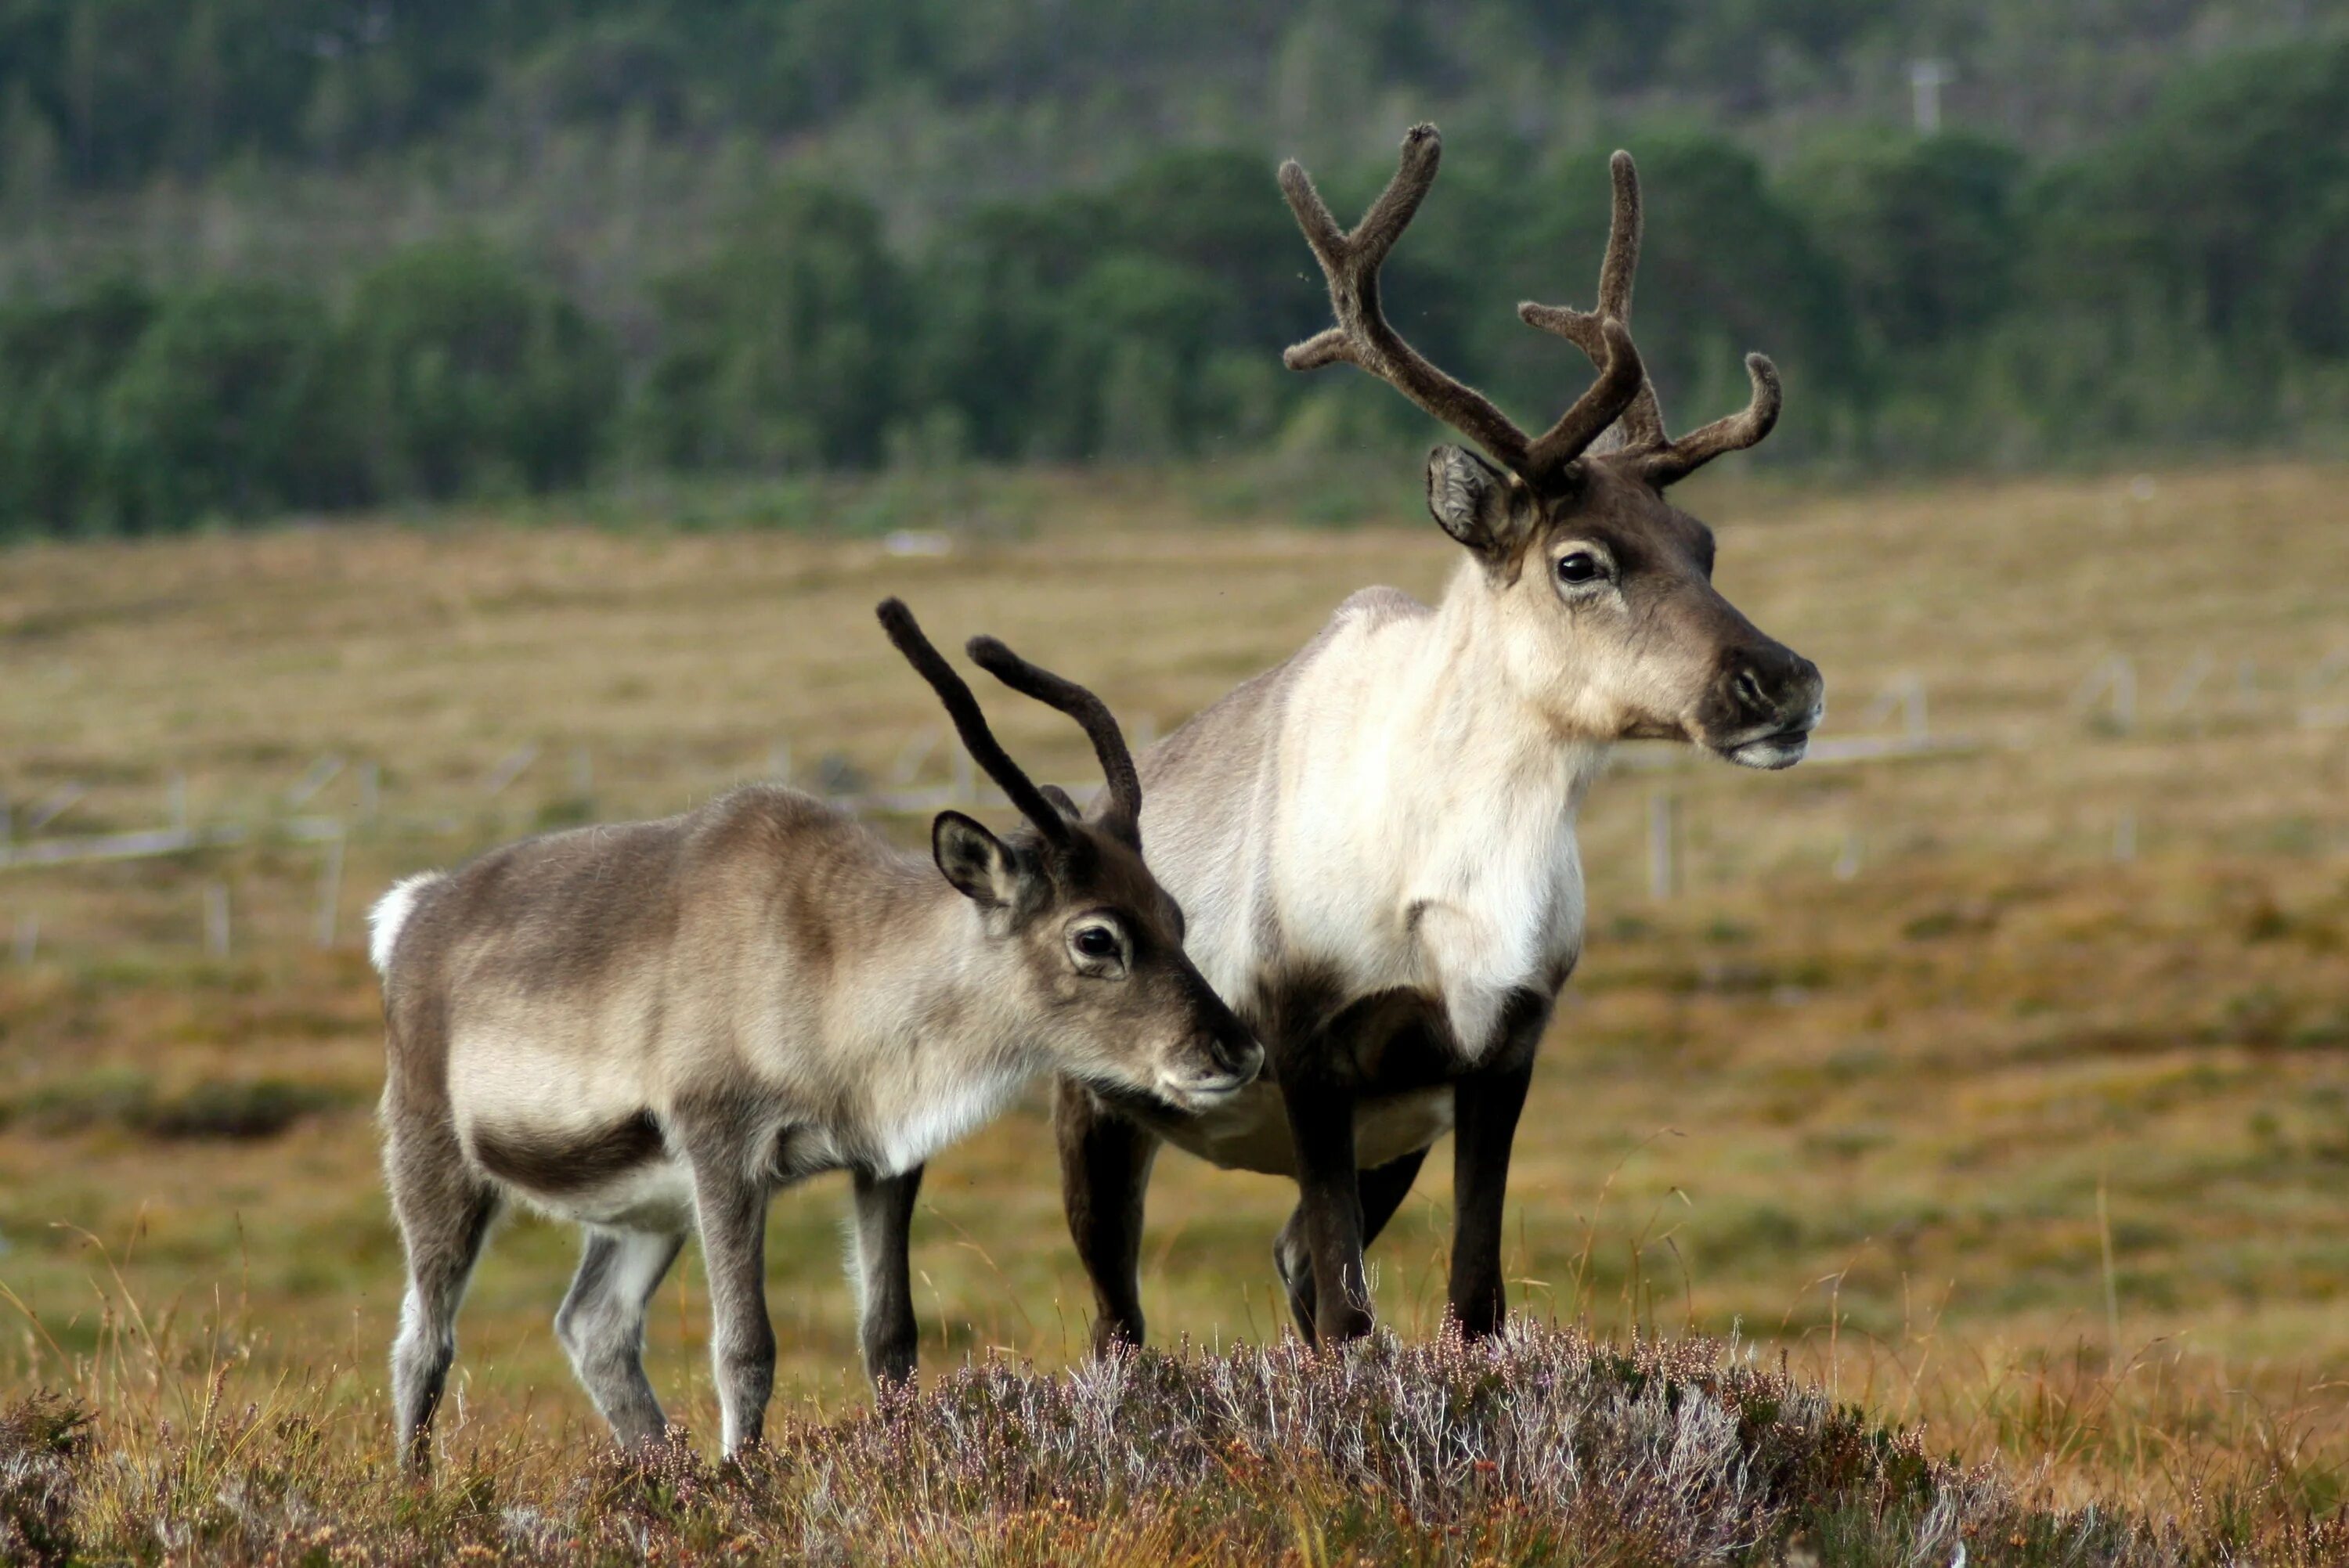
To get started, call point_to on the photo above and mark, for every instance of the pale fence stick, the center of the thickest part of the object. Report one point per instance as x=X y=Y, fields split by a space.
x=175 y=790
x=55 y=806
x=2114 y=678
x=1849 y=857
x=912 y=755
x=965 y=787
x=28 y=938
x=370 y=790
x=321 y=773
x=1663 y=844
x=2189 y=682
x=2125 y=836
x=516 y=763
x=330 y=890
x=216 y=919
x=583 y=772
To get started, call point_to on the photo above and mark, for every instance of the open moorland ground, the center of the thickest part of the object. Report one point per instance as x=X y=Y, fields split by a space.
x=2000 y=1090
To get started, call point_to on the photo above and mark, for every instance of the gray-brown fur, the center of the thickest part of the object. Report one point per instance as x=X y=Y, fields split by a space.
x=649 y=1028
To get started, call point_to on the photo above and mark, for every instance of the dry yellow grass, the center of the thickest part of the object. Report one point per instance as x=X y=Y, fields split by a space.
x=1896 y=1120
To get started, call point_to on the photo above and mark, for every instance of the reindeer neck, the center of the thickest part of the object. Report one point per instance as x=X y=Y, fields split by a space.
x=924 y=1043
x=1474 y=725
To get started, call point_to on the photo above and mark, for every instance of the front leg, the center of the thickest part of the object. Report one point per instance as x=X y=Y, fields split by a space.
x=1322 y=1125
x=730 y=1211
x=1105 y=1161
x=1486 y=1106
x=885 y=1292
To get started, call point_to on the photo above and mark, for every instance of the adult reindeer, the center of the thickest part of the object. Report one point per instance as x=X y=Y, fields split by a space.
x=649 y=1028
x=1375 y=840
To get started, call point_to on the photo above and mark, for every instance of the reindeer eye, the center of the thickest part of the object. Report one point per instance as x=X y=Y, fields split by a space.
x=1097 y=941
x=1579 y=567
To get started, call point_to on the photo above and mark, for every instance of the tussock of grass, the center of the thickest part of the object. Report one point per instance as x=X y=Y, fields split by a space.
x=1541 y=1446
x=229 y=1109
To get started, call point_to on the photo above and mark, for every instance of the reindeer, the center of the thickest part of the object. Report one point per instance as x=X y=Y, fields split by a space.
x=1375 y=840
x=649 y=1029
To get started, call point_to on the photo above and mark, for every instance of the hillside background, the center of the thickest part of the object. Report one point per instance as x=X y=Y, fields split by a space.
x=259 y=258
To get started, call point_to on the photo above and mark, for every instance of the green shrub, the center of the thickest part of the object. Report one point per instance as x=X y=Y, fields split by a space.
x=226 y=408
x=475 y=378
x=56 y=361
x=783 y=351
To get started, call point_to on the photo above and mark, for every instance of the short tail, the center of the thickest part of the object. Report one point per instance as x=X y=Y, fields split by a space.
x=390 y=912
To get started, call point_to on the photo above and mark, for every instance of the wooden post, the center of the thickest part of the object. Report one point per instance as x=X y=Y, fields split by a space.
x=330 y=890
x=583 y=772
x=2125 y=836
x=370 y=791
x=1847 y=858
x=779 y=762
x=1663 y=844
x=965 y=787
x=216 y=919
x=176 y=791
x=28 y=938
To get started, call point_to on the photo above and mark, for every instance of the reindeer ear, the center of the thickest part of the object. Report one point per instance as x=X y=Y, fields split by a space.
x=979 y=865
x=1059 y=798
x=1472 y=501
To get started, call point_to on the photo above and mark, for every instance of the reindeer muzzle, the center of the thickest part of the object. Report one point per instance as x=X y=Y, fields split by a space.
x=1764 y=706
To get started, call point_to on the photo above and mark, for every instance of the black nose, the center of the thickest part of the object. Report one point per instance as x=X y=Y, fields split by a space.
x=1236 y=1053
x=1773 y=681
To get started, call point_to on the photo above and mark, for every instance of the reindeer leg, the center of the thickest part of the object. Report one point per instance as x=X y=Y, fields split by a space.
x=730 y=1211
x=1383 y=1189
x=1105 y=1161
x=1330 y=1200
x=884 y=1294
x=602 y=1326
x=1486 y=1105
x=444 y=1213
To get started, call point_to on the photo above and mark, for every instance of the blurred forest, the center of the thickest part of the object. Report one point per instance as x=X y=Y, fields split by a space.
x=261 y=256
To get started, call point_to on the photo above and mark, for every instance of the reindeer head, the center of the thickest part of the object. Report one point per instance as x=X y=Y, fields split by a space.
x=1602 y=588
x=1096 y=944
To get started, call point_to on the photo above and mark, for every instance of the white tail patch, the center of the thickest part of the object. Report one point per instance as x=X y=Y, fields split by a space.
x=389 y=913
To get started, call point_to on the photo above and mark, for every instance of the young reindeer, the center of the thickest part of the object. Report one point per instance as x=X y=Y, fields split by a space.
x=1375 y=840
x=649 y=1029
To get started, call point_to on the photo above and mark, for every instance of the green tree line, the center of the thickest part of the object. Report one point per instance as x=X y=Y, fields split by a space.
x=1942 y=300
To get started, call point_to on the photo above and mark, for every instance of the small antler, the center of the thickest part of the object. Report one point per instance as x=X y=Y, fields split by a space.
x=1363 y=338
x=1661 y=459
x=1088 y=710
x=968 y=721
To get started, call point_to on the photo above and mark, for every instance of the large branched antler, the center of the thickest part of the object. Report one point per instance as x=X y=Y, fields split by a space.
x=1099 y=725
x=968 y=721
x=1660 y=458
x=1363 y=338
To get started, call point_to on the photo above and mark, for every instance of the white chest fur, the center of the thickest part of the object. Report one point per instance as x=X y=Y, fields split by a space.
x=1420 y=832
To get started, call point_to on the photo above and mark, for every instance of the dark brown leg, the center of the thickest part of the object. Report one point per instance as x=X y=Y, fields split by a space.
x=885 y=1292
x=1383 y=1189
x=1321 y=1124
x=1485 y=1125
x=1106 y=1163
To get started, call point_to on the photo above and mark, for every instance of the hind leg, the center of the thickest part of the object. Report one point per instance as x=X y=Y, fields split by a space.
x=444 y=1211
x=1383 y=1189
x=602 y=1326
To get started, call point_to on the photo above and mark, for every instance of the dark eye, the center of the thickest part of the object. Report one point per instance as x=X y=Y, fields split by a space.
x=1097 y=941
x=1579 y=567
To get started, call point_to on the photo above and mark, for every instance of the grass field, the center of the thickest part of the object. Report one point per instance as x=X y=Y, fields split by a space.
x=2004 y=1089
